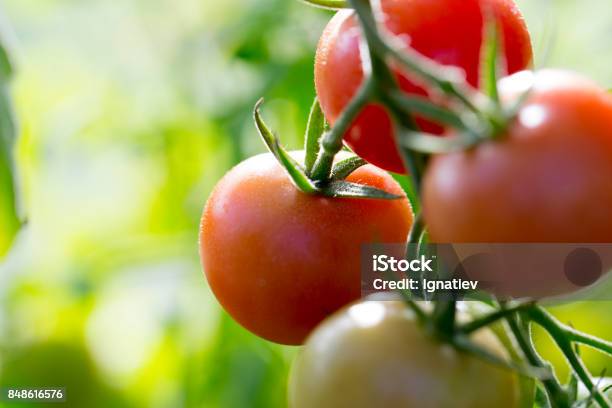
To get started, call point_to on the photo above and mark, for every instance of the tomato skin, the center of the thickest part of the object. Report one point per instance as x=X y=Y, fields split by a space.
x=547 y=179
x=448 y=31
x=374 y=354
x=279 y=261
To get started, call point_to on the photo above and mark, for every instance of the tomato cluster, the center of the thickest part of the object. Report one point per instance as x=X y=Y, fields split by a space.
x=448 y=31
x=285 y=263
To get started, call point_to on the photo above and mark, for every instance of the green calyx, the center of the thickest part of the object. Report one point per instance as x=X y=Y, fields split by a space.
x=334 y=183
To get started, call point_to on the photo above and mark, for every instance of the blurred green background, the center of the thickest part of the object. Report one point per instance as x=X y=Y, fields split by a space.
x=129 y=112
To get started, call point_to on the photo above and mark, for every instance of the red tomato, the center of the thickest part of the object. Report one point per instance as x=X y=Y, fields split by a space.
x=547 y=179
x=279 y=260
x=449 y=31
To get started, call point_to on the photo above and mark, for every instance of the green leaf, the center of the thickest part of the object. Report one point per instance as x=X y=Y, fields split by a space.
x=293 y=168
x=328 y=4
x=9 y=217
x=6 y=67
x=344 y=168
x=346 y=189
x=314 y=130
x=490 y=60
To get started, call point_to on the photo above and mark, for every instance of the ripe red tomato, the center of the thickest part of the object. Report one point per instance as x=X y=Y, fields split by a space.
x=547 y=179
x=448 y=31
x=279 y=260
x=374 y=354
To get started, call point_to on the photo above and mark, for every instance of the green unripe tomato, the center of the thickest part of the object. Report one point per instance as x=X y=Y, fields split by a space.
x=375 y=354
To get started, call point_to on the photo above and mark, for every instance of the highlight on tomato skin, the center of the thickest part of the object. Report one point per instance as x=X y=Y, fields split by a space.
x=375 y=354
x=545 y=180
x=279 y=261
x=448 y=31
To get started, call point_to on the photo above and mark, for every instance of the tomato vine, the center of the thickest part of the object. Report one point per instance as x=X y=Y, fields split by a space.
x=476 y=116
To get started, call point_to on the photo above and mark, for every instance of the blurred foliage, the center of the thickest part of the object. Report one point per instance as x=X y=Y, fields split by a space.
x=129 y=112
x=9 y=220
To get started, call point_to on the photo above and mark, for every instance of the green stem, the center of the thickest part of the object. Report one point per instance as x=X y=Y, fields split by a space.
x=556 y=393
x=587 y=339
x=414 y=163
x=328 y=4
x=420 y=314
x=463 y=343
x=448 y=80
x=417 y=229
x=491 y=318
x=412 y=243
x=420 y=105
x=559 y=334
x=444 y=316
x=540 y=316
x=386 y=85
x=331 y=142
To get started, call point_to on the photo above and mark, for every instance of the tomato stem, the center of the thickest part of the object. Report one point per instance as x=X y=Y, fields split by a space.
x=417 y=229
x=448 y=80
x=420 y=314
x=477 y=117
x=415 y=237
x=464 y=344
x=541 y=316
x=331 y=143
x=587 y=339
x=443 y=319
x=416 y=104
x=491 y=318
x=522 y=334
x=560 y=335
x=328 y=4
x=451 y=81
